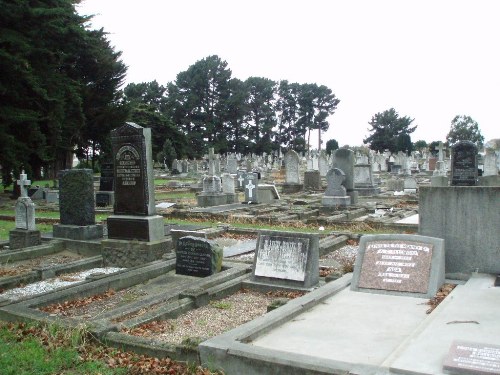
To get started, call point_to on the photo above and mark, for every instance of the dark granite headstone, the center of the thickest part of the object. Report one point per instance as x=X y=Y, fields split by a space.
x=251 y=184
x=106 y=181
x=472 y=359
x=464 y=164
x=399 y=264
x=197 y=257
x=133 y=193
x=287 y=258
x=76 y=197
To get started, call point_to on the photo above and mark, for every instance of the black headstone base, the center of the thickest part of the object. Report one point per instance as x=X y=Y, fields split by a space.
x=140 y=228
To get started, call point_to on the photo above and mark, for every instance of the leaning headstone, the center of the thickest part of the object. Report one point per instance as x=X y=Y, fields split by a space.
x=197 y=257
x=464 y=164
x=77 y=206
x=287 y=259
x=335 y=194
x=25 y=234
x=134 y=215
x=399 y=264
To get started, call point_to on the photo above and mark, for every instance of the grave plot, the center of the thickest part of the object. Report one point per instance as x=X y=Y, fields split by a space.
x=332 y=329
x=176 y=328
x=26 y=266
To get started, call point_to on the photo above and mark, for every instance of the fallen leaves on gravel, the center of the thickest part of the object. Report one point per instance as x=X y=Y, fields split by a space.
x=63 y=307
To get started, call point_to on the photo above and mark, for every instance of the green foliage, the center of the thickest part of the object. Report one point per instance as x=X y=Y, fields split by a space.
x=419 y=145
x=389 y=131
x=331 y=145
x=58 y=85
x=433 y=147
x=464 y=128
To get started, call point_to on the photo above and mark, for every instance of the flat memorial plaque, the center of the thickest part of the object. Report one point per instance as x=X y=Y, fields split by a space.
x=472 y=358
x=402 y=266
x=282 y=257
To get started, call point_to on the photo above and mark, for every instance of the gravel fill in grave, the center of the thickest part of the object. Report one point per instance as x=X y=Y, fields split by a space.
x=211 y=320
x=54 y=283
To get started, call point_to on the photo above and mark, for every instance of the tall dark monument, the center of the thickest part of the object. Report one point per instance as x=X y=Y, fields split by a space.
x=134 y=207
x=464 y=164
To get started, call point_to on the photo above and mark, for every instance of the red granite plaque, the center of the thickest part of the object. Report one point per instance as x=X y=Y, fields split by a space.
x=472 y=358
x=402 y=266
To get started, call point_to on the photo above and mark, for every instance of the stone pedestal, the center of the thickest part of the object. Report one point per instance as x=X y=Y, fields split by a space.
x=330 y=201
x=353 y=195
x=21 y=238
x=267 y=193
x=364 y=191
x=125 y=253
x=140 y=228
x=76 y=232
x=211 y=199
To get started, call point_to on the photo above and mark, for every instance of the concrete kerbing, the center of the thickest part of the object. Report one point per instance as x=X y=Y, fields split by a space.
x=233 y=351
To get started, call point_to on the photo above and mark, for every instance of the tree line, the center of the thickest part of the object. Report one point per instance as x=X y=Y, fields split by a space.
x=60 y=94
x=206 y=106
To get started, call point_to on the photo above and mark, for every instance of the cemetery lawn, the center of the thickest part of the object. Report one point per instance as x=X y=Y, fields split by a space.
x=7 y=226
x=46 y=349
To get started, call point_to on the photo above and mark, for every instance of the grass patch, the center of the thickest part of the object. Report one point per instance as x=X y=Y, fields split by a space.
x=175 y=195
x=29 y=350
x=7 y=226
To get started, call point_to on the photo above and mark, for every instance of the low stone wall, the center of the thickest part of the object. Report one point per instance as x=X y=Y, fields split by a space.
x=468 y=219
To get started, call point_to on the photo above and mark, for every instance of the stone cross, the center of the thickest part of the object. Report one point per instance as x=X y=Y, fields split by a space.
x=250 y=186
x=440 y=149
x=23 y=182
x=240 y=180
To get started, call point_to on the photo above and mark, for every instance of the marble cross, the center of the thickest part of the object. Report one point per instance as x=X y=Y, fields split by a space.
x=23 y=182
x=250 y=186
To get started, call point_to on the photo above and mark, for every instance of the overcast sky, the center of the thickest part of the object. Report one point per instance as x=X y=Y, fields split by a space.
x=429 y=59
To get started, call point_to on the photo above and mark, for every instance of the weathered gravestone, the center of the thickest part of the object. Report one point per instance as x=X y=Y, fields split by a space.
x=464 y=164
x=197 y=257
x=312 y=180
x=212 y=194
x=287 y=259
x=343 y=159
x=228 y=188
x=471 y=358
x=25 y=234
x=335 y=194
x=105 y=196
x=399 y=264
x=292 y=173
x=134 y=215
x=77 y=206
x=240 y=179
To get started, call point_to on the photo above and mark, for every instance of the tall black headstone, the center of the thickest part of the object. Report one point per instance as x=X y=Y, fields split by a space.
x=134 y=208
x=464 y=164
x=106 y=181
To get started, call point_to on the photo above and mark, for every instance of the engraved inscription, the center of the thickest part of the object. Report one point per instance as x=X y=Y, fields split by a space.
x=396 y=265
x=282 y=257
x=473 y=358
